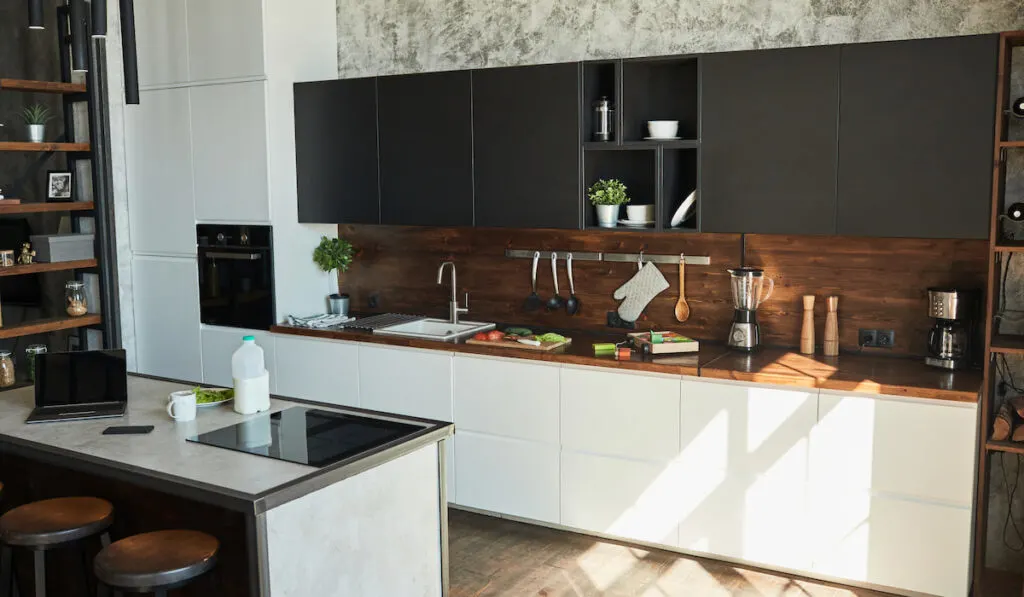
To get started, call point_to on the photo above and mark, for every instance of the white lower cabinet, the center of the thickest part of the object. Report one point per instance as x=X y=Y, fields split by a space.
x=166 y=305
x=219 y=343
x=507 y=475
x=319 y=370
x=508 y=398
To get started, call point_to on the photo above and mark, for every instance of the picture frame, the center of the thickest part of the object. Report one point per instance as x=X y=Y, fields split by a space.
x=60 y=186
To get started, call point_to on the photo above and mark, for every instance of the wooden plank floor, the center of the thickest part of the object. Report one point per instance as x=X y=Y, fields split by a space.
x=491 y=557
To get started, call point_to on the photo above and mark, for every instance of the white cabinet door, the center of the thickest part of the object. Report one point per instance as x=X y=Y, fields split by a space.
x=159 y=154
x=161 y=38
x=913 y=448
x=229 y=149
x=633 y=499
x=220 y=343
x=747 y=430
x=892 y=542
x=507 y=397
x=225 y=39
x=166 y=303
x=508 y=476
x=320 y=370
x=620 y=414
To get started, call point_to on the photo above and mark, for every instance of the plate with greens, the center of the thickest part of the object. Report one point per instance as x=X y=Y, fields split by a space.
x=207 y=397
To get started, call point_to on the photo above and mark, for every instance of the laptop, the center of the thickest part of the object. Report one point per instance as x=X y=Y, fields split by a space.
x=72 y=386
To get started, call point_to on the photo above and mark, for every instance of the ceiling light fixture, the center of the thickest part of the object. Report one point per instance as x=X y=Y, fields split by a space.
x=130 y=57
x=35 y=14
x=99 y=18
x=79 y=37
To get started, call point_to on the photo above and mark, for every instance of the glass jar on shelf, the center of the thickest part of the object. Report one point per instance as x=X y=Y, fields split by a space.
x=7 y=258
x=30 y=359
x=6 y=369
x=74 y=298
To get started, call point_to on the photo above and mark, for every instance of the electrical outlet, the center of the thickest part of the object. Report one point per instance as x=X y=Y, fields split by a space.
x=867 y=338
x=373 y=301
x=885 y=338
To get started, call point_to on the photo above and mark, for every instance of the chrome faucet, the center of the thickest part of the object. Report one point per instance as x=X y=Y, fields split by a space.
x=454 y=310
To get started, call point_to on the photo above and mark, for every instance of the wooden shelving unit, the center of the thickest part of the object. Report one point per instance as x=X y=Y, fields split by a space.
x=50 y=147
x=42 y=268
x=1006 y=344
x=38 y=208
x=1007 y=246
x=41 y=86
x=1011 y=144
x=42 y=326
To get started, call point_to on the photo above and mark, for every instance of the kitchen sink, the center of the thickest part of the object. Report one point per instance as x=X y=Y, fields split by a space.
x=441 y=330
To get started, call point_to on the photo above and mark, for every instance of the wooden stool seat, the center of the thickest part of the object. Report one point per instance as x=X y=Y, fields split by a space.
x=52 y=522
x=156 y=561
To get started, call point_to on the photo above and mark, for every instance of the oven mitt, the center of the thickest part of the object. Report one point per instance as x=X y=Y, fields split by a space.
x=639 y=291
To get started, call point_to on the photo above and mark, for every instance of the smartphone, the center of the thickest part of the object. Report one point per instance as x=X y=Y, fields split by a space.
x=128 y=430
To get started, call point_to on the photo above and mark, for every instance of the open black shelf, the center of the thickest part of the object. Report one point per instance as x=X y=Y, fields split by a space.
x=659 y=89
x=638 y=170
x=679 y=178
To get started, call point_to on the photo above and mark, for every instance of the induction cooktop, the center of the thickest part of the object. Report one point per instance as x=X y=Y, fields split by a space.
x=307 y=435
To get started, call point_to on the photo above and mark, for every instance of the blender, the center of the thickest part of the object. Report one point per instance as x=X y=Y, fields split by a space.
x=747 y=283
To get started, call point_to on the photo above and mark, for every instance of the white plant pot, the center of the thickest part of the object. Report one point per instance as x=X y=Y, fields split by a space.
x=607 y=215
x=36 y=133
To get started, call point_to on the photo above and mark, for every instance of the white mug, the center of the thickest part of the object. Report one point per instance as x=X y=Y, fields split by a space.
x=181 y=406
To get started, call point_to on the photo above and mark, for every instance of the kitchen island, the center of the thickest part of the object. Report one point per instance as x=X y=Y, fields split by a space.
x=370 y=524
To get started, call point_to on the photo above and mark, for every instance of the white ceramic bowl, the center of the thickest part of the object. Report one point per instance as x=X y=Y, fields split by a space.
x=663 y=129
x=640 y=213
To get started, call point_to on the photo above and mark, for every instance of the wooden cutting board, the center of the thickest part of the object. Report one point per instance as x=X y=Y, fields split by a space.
x=513 y=344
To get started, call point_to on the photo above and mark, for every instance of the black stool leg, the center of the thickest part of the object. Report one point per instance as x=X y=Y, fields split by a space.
x=6 y=580
x=102 y=590
x=40 y=571
x=160 y=593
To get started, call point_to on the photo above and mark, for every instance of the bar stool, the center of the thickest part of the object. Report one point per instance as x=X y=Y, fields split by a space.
x=49 y=524
x=155 y=562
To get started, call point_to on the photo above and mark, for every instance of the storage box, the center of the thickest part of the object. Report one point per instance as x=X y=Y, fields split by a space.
x=54 y=248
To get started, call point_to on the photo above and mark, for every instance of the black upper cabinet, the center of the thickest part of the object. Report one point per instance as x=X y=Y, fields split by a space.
x=426 y=149
x=768 y=141
x=336 y=152
x=915 y=137
x=526 y=146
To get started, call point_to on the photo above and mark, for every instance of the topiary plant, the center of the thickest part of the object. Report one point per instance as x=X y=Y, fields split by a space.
x=333 y=254
x=608 y=192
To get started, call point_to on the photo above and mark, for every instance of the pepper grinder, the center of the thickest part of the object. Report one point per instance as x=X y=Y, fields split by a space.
x=807 y=331
x=831 y=345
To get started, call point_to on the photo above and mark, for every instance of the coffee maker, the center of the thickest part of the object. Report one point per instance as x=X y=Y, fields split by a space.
x=747 y=283
x=951 y=339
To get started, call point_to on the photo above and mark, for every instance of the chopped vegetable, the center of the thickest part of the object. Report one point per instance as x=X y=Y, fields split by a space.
x=518 y=332
x=480 y=336
x=208 y=396
x=550 y=337
x=495 y=335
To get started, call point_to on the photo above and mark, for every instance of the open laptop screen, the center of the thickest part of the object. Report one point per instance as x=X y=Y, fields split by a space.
x=81 y=377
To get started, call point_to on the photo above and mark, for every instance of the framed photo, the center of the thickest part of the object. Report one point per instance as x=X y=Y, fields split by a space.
x=59 y=186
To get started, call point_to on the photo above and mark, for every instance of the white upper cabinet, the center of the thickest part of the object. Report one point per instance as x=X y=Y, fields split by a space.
x=620 y=414
x=914 y=448
x=229 y=141
x=166 y=304
x=746 y=429
x=220 y=343
x=225 y=39
x=406 y=381
x=160 y=33
x=507 y=397
x=159 y=152
x=319 y=370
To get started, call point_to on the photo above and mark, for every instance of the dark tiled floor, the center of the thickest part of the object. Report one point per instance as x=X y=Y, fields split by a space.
x=491 y=557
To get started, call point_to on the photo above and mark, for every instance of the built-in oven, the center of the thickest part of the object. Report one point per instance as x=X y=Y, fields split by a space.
x=236 y=275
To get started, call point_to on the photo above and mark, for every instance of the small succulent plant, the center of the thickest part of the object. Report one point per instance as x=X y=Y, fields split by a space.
x=36 y=114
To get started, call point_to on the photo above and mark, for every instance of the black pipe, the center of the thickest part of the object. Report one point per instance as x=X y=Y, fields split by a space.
x=99 y=18
x=35 y=14
x=79 y=36
x=131 y=58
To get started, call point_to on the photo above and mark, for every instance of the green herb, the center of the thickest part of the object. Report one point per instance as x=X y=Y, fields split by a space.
x=208 y=396
x=36 y=114
x=608 y=192
x=518 y=331
x=550 y=337
x=333 y=254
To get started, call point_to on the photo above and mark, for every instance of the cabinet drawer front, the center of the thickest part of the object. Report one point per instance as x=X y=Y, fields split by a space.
x=423 y=388
x=892 y=542
x=890 y=445
x=507 y=398
x=324 y=371
x=620 y=414
x=746 y=429
x=625 y=498
x=508 y=476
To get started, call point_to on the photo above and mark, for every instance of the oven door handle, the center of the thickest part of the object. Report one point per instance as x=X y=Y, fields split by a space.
x=236 y=256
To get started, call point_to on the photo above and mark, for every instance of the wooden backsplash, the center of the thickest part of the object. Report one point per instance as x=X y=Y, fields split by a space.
x=881 y=283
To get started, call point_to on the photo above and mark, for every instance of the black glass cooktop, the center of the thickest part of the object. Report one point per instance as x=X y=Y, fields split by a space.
x=307 y=435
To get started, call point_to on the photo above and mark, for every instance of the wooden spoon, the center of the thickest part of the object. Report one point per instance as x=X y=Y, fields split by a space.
x=682 y=308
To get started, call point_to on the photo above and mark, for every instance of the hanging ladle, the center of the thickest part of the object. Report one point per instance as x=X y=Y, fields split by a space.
x=572 y=305
x=533 y=302
x=555 y=302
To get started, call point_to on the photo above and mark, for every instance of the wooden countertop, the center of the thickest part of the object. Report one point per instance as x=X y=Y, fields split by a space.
x=868 y=374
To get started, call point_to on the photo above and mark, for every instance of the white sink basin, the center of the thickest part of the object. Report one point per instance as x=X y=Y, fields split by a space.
x=435 y=329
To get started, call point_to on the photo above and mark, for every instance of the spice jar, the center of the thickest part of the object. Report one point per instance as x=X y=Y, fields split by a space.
x=30 y=358
x=74 y=298
x=7 y=258
x=6 y=369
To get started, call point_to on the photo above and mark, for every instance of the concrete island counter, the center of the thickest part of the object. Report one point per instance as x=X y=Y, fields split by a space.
x=371 y=523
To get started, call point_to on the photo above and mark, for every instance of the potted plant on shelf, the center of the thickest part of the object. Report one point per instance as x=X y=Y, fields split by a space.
x=608 y=196
x=334 y=254
x=36 y=116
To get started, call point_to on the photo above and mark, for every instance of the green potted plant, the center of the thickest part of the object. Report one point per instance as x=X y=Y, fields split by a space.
x=608 y=196
x=36 y=116
x=330 y=255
